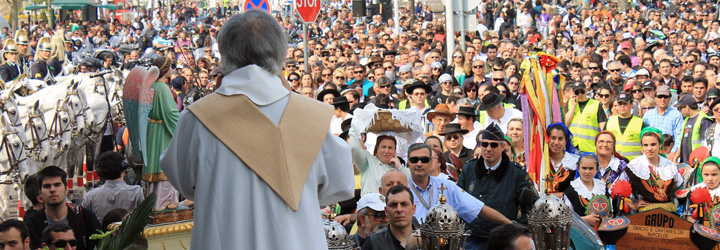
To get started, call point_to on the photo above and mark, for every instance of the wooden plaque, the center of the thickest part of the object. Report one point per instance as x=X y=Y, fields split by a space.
x=656 y=229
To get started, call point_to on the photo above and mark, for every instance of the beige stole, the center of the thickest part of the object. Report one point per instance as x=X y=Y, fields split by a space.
x=282 y=154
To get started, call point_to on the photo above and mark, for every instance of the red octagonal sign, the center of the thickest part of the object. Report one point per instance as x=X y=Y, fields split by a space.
x=308 y=9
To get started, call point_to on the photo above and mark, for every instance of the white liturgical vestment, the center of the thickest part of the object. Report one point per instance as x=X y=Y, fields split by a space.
x=234 y=207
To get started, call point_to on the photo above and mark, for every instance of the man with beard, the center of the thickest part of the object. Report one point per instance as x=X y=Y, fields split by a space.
x=53 y=189
x=495 y=181
x=371 y=217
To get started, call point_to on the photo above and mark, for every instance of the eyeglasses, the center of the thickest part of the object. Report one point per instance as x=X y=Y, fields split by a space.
x=292 y=66
x=593 y=68
x=436 y=69
x=491 y=144
x=497 y=69
x=63 y=243
x=294 y=79
x=447 y=83
x=478 y=66
x=456 y=93
x=385 y=86
x=389 y=67
x=587 y=80
x=419 y=93
x=457 y=56
x=359 y=72
x=614 y=70
x=663 y=96
x=603 y=95
x=471 y=90
x=647 y=108
x=423 y=159
x=452 y=137
x=689 y=62
x=301 y=62
x=326 y=74
x=371 y=77
x=498 y=79
x=637 y=91
x=579 y=92
x=340 y=77
x=378 y=215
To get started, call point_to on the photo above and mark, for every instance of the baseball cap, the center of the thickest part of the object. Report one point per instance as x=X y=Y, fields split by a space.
x=713 y=92
x=685 y=100
x=625 y=44
x=578 y=86
x=713 y=54
x=444 y=77
x=405 y=68
x=642 y=72
x=627 y=35
x=648 y=85
x=372 y=200
x=662 y=90
x=436 y=65
x=624 y=97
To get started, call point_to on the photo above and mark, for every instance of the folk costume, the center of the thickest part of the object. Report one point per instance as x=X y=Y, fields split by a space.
x=263 y=152
x=610 y=173
x=577 y=196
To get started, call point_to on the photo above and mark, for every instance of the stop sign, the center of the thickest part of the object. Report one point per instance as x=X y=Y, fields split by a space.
x=308 y=9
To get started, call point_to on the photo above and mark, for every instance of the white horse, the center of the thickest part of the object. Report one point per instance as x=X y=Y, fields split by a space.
x=60 y=133
x=13 y=166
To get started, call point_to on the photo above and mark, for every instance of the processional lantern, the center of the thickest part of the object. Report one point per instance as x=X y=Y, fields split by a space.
x=335 y=234
x=550 y=223
x=443 y=228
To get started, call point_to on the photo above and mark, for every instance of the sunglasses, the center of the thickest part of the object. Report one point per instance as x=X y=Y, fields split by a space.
x=603 y=95
x=663 y=96
x=389 y=67
x=457 y=56
x=478 y=66
x=378 y=215
x=498 y=79
x=593 y=68
x=579 y=92
x=636 y=91
x=436 y=69
x=492 y=144
x=359 y=72
x=689 y=61
x=471 y=90
x=63 y=243
x=385 y=86
x=326 y=74
x=294 y=79
x=603 y=51
x=457 y=93
x=614 y=70
x=340 y=78
x=647 y=108
x=587 y=80
x=452 y=137
x=423 y=159
x=447 y=83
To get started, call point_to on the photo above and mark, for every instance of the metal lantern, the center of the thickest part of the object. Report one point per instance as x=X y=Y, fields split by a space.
x=443 y=228
x=550 y=223
x=335 y=234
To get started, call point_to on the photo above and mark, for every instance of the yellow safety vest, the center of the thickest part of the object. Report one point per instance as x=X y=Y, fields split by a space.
x=404 y=104
x=696 y=142
x=584 y=126
x=628 y=143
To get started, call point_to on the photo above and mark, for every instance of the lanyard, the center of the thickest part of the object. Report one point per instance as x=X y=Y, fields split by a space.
x=417 y=193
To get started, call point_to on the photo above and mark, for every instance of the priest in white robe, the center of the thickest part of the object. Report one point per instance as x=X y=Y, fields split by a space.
x=258 y=161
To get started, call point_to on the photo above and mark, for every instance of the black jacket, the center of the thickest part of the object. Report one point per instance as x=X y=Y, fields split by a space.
x=39 y=70
x=83 y=222
x=499 y=189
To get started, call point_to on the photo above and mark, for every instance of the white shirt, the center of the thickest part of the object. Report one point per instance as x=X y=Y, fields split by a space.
x=336 y=124
x=510 y=113
x=237 y=209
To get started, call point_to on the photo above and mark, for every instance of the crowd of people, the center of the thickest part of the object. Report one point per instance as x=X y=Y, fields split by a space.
x=640 y=95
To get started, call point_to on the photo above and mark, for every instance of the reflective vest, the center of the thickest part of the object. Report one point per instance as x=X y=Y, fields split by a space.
x=695 y=137
x=628 y=143
x=584 y=126
x=404 y=104
x=482 y=114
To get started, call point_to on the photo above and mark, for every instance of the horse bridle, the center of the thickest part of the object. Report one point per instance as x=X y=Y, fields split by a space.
x=4 y=109
x=12 y=158
x=36 y=139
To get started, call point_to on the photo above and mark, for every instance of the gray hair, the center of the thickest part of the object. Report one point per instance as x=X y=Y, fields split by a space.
x=252 y=37
x=614 y=62
x=418 y=146
x=464 y=101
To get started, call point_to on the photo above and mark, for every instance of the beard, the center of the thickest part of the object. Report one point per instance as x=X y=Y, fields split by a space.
x=370 y=231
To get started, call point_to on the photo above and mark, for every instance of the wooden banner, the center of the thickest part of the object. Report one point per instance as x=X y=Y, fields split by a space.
x=655 y=230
